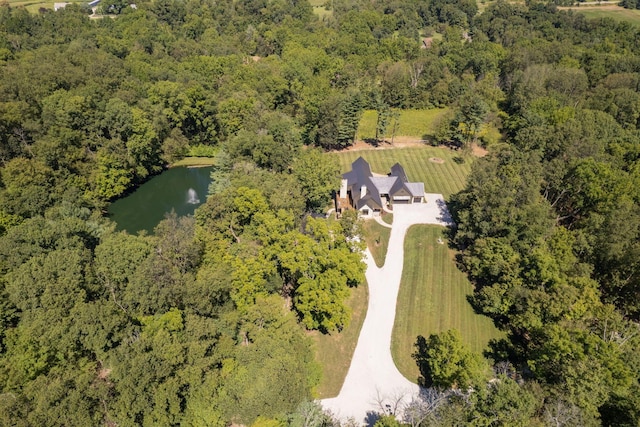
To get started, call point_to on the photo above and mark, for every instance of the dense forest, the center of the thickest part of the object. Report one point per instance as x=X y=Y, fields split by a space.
x=202 y=323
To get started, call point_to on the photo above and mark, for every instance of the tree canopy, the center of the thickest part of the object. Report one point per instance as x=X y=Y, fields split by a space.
x=203 y=321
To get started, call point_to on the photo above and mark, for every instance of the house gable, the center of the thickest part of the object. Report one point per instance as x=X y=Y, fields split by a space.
x=370 y=194
x=401 y=192
x=370 y=203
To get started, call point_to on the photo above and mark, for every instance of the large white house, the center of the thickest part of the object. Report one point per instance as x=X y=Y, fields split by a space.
x=370 y=194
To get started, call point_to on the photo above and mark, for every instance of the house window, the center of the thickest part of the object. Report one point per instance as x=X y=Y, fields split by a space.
x=365 y=211
x=417 y=200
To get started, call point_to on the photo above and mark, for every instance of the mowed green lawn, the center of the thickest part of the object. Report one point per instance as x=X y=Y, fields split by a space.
x=334 y=352
x=433 y=298
x=447 y=178
x=618 y=13
x=377 y=238
x=34 y=6
x=414 y=123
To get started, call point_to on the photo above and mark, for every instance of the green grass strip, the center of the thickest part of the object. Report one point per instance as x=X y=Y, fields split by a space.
x=433 y=298
x=334 y=352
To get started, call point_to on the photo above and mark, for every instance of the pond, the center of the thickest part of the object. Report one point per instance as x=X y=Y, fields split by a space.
x=180 y=189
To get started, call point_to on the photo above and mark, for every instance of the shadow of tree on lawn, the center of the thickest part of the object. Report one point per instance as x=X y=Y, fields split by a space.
x=420 y=356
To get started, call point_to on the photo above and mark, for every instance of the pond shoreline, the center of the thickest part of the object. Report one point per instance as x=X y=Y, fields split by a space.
x=180 y=189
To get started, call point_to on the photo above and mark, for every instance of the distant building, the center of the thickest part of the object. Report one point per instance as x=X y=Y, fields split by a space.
x=92 y=5
x=370 y=194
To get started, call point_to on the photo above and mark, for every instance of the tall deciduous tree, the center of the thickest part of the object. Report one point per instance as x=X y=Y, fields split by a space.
x=318 y=176
x=445 y=362
x=274 y=366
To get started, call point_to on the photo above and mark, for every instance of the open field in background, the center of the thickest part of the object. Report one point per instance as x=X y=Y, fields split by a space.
x=414 y=123
x=34 y=6
x=322 y=13
x=483 y=4
x=334 y=352
x=433 y=298
x=377 y=238
x=447 y=178
x=195 y=162
x=319 y=9
x=434 y=35
x=608 y=11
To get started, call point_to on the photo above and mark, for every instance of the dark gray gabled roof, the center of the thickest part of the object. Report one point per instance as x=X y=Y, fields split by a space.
x=370 y=199
x=360 y=175
x=397 y=186
x=397 y=180
x=397 y=170
x=384 y=183
x=360 y=171
x=415 y=188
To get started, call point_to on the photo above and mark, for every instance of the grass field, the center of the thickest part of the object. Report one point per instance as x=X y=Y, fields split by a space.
x=195 y=162
x=322 y=12
x=34 y=6
x=388 y=218
x=414 y=123
x=377 y=238
x=483 y=4
x=432 y=299
x=614 y=12
x=319 y=8
x=334 y=352
x=447 y=178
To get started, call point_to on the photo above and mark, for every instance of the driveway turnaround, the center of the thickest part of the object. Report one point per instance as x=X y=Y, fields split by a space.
x=373 y=384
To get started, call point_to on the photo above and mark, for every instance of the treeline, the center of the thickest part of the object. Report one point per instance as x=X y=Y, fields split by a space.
x=143 y=330
x=549 y=223
x=630 y=4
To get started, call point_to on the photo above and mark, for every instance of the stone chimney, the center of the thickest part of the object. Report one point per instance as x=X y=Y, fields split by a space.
x=363 y=191
x=343 y=189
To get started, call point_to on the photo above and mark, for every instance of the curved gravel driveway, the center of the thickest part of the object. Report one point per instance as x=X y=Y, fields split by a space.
x=372 y=376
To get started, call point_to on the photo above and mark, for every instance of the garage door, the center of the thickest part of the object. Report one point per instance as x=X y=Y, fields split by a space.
x=402 y=199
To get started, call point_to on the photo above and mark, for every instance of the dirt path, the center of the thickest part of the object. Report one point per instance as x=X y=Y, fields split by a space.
x=373 y=381
x=398 y=142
